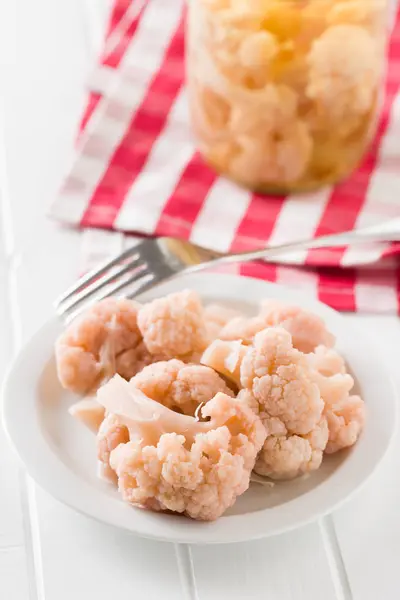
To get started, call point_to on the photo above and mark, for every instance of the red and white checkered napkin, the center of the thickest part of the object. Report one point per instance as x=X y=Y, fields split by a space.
x=137 y=171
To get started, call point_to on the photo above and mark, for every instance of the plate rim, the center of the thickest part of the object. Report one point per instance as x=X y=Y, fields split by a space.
x=250 y=525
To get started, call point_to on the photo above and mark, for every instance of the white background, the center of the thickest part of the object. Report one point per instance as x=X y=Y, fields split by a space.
x=47 y=552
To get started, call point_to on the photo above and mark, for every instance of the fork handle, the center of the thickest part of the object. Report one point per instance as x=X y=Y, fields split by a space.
x=388 y=231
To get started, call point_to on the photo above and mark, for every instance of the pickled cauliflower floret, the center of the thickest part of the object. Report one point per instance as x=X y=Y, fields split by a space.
x=104 y=341
x=216 y=316
x=281 y=381
x=367 y=13
x=279 y=156
x=175 y=462
x=345 y=413
x=327 y=361
x=307 y=330
x=110 y=435
x=346 y=421
x=286 y=456
x=243 y=329
x=225 y=358
x=234 y=51
x=333 y=388
x=211 y=113
x=174 y=325
x=258 y=49
x=179 y=386
x=256 y=113
x=89 y=412
x=344 y=67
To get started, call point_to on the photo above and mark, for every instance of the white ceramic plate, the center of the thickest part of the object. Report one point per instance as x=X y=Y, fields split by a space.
x=60 y=453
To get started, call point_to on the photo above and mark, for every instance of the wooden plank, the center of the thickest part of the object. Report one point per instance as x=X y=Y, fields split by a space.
x=368 y=526
x=13 y=582
x=11 y=529
x=11 y=526
x=293 y=566
x=96 y=561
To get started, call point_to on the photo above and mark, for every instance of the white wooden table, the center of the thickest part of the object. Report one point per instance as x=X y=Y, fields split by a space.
x=47 y=552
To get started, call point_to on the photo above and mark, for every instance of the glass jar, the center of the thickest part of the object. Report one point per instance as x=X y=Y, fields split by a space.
x=284 y=94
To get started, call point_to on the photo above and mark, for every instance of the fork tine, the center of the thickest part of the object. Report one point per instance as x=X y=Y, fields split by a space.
x=142 y=289
x=66 y=306
x=120 y=285
x=92 y=275
x=141 y=277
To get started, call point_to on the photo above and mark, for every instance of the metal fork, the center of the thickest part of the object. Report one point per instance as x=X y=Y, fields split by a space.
x=153 y=261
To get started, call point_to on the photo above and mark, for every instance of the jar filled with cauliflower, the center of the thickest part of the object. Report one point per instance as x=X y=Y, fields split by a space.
x=284 y=94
